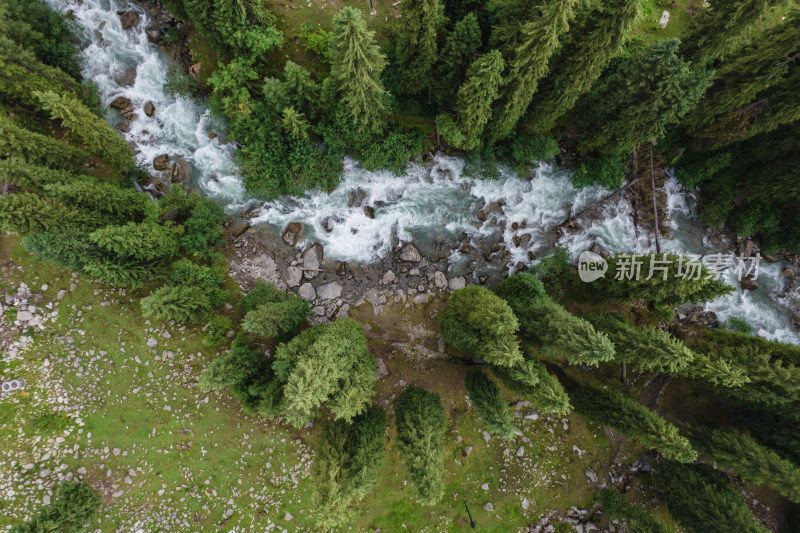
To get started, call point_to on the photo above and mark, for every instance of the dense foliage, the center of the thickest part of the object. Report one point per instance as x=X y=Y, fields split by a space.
x=272 y=313
x=74 y=504
x=485 y=395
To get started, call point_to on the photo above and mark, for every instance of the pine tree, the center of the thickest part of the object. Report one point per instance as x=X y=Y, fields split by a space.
x=752 y=70
x=26 y=213
x=180 y=303
x=748 y=459
x=531 y=381
x=145 y=243
x=328 y=364
x=479 y=322
x=347 y=462
x=486 y=397
x=39 y=149
x=417 y=37
x=66 y=246
x=458 y=52
x=703 y=501
x=94 y=131
x=301 y=89
x=587 y=50
x=295 y=124
x=721 y=27
x=646 y=92
x=421 y=424
x=476 y=96
x=356 y=66
x=278 y=320
x=645 y=347
x=528 y=50
x=635 y=421
x=103 y=202
x=24 y=74
x=17 y=171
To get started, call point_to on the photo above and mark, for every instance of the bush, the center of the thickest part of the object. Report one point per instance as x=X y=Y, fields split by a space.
x=664 y=313
x=74 y=505
x=485 y=396
x=203 y=229
x=608 y=172
x=216 y=330
x=529 y=148
x=272 y=313
x=555 y=272
x=480 y=322
x=421 y=424
x=638 y=519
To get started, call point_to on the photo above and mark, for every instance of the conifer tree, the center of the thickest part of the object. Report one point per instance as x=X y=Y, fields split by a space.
x=277 y=320
x=328 y=364
x=588 y=48
x=702 y=500
x=39 y=149
x=421 y=424
x=26 y=213
x=635 y=421
x=748 y=459
x=646 y=347
x=144 y=243
x=94 y=131
x=457 y=54
x=356 y=66
x=24 y=74
x=104 y=202
x=528 y=50
x=17 y=171
x=295 y=124
x=417 y=36
x=486 y=397
x=73 y=506
x=721 y=27
x=347 y=463
x=646 y=92
x=531 y=381
x=181 y=303
x=301 y=89
x=479 y=322
x=476 y=96
x=753 y=69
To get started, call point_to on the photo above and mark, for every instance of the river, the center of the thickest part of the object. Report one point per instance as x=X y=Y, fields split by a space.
x=432 y=202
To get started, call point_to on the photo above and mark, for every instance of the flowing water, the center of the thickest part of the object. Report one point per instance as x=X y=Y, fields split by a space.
x=430 y=203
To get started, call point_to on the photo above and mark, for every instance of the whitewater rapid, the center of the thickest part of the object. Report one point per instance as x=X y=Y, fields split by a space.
x=431 y=202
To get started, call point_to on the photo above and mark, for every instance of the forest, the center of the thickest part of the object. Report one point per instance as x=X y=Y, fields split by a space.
x=505 y=83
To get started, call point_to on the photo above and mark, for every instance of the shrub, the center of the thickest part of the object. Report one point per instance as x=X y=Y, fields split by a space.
x=420 y=424
x=638 y=519
x=277 y=320
x=528 y=148
x=74 y=505
x=608 y=171
x=485 y=396
x=216 y=330
x=203 y=229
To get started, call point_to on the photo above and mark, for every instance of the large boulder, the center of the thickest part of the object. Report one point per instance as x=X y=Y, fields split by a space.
x=292 y=233
x=312 y=259
x=126 y=76
x=149 y=109
x=161 y=162
x=121 y=102
x=128 y=19
x=181 y=170
x=410 y=253
x=306 y=292
x=294 y=275
x=329 y=291
x=748 y=283
x=356 y=197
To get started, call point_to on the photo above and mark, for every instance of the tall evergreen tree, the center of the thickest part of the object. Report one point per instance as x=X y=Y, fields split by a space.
x=458 y=53
x=486 y=397
x=528 y=49
x=635 y=421
x=356 y=66
x=588 y=48
x=475 y=99
x=26 y=213
x=39 y=149
x=646 y=92
x=421 y=424
x=417 y=36
x=722 y=26
x=94 y=131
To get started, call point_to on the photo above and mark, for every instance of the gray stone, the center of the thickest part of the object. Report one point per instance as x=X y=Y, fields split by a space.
x=381 y=371
x=486 y=436
x=457 y=283
x=591 y=476
x=24 y=316
x=485 y=486
x=440 y=280
x=525 y=503
x=388 y=277
x=292 y=233
x=520 y=451
x=467 y=451
x=294 y=275
x=287 y=516
x=410 y=253
x=329 y=291
x=312 y=259
x=181 y=170
x=152 y=342
x=126 y=76
x=488 y=507
x=306 y=292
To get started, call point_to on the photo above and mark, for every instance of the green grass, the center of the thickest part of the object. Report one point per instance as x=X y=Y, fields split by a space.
x=186 y=465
